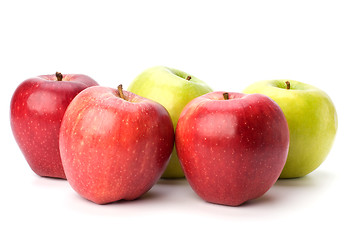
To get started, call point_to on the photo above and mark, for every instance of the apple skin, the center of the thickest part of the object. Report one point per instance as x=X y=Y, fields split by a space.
x=112 y=148
x=36 y=111
x=169 y=87
x=232 y=150
x=312 y=120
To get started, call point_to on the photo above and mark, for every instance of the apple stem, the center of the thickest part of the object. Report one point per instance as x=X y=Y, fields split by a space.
x=121 y=93
x=59 y=76
x=188 y=78
x=226 y=95
x=287 y=85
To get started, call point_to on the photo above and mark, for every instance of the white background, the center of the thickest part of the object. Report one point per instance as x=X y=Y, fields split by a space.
x=229 y=45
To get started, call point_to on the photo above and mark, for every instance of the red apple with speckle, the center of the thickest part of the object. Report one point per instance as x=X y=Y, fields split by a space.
x=232 y=146
x=114 y=144
x=36 y=111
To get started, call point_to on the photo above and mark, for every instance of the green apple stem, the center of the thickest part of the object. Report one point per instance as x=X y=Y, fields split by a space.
x=188 y=78
x=287 y=85
x=226 y=95
x=59 y=76
x=121 y=93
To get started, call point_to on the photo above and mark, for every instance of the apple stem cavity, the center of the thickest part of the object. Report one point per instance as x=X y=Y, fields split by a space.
x=287 y=85
x=121 y=93
x=59 y=76
x=226 y=96
x=188 y=78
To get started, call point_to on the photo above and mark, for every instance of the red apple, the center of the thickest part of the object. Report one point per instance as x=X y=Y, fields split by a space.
x=36 y=110
x=114 y=144
x=232 y=146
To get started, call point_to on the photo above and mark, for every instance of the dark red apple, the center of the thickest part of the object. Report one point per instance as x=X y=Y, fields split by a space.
x=114 y=144
x=36 y=110
x=232 y=146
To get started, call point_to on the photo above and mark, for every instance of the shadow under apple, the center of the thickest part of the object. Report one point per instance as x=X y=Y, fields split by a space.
x=306 y=188
x=48 y=182
x=286 y=191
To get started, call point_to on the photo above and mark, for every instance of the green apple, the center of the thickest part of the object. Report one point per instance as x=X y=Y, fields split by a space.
x=173 y=89
x=312 y=121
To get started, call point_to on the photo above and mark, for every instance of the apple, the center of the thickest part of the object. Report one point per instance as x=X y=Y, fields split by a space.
x=173 y=89
x=114 y=144
x=312 y=120
x=232 y=146
x=36 y=110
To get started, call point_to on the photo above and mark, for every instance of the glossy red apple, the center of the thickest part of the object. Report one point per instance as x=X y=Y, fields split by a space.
x=114 y=144
x=232 y=146
x=36 y=110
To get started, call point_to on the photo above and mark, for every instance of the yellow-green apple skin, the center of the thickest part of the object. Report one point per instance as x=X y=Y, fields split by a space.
x=312 y=121
x=173 y=89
